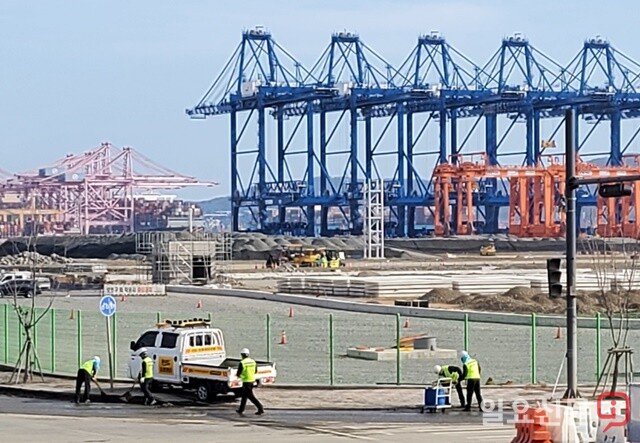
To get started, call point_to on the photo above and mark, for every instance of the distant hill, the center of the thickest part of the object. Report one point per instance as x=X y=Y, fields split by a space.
x=216 y=204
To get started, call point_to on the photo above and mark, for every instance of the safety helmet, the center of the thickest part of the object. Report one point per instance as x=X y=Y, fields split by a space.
x=96 y=359
x=437 y=369
x=143 y=351
x=464 y=356
x=244 y=351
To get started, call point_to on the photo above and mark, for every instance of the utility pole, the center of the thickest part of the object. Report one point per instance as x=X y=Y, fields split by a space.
x=570 y=196
x=609 y=187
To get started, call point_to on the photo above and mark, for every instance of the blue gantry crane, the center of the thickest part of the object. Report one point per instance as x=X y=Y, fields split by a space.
x=353 y=117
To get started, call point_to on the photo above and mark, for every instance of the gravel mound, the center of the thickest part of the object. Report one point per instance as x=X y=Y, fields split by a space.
x=521 y=293
x=443 y=295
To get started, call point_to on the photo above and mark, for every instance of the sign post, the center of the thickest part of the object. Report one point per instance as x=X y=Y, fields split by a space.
x=108 y=308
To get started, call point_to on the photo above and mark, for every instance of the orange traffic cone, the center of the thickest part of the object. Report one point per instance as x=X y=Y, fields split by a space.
x=199 y=304
x=283 y=338
x=290 y=312
x=72 y=316
x=407 y=324
x=558 y=333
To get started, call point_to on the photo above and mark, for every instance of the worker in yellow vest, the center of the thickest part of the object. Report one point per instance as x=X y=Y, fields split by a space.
x=247 y=374
x=86 y=374
x=145 y=378
x=455 y=374
x=471 y=373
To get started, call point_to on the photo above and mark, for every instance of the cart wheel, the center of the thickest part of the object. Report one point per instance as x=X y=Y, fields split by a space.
x=444 y=410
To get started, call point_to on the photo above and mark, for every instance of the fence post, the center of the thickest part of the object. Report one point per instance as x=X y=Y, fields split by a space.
x=20 y=331
x=466 y=332
x=158 y=315
x=268 y=321
x=79 y=336
x=209 y=316
x=598 y=344
x=35 y=330
x=331 y=351
x=114 y=343
x=398 y=348
x=534 y=351
x=6 y=332
x=52 y=317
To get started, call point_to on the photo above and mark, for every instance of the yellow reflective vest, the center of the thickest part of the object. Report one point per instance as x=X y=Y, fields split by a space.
x=148 y=369
x=248 y=374
x=452 y=375
x=88 y=366
x=473 y=370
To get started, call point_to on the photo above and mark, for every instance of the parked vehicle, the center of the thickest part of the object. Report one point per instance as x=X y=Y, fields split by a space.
x=16 y=275
x=191 y=354
x=20 y=288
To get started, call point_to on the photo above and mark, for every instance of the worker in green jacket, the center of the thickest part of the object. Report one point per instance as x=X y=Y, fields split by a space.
x=145 y=377
x=247 y=374
x=455 y=374
x=471 y=373
x=85 y=375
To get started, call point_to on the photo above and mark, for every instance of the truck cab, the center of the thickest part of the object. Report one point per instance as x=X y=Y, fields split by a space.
x=191 y=354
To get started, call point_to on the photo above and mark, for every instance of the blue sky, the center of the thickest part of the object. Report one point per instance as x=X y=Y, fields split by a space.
x=74 y=74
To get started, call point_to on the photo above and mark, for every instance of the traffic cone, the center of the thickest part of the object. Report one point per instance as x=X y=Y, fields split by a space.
x=290 y=312
x=123 y=298
x=406 y=323
x=283 y=338
x=72 y=316
x=558 y=333
x=199 y=304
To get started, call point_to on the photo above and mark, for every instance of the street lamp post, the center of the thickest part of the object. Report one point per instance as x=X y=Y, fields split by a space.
x=571 y=244
x=609 y=187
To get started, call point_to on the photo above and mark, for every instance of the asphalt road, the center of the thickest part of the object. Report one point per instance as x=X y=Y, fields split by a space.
x=32 y=420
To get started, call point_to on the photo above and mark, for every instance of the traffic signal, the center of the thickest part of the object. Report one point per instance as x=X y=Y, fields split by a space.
x=614 y=190
x=554 y=274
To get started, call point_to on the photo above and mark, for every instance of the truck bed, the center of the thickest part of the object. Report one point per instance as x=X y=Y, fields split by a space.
x=232 y=363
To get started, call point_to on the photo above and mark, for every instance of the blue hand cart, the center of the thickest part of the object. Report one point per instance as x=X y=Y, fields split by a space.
x=438 y=397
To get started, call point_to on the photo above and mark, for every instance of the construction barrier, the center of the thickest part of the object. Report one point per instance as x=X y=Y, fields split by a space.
x=532 y=427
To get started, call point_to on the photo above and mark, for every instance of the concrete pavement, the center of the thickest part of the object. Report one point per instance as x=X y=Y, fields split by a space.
x=291 y=397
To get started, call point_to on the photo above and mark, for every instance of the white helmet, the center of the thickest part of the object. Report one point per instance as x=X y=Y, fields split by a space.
x=97 y=360
x=244 y=351
x=437 y=369
x=142 y=351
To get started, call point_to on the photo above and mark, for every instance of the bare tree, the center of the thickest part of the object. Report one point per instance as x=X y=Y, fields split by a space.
x=28 y=317
x=616 y=275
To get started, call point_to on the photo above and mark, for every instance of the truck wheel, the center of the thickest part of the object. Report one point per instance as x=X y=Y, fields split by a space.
x=203 y=391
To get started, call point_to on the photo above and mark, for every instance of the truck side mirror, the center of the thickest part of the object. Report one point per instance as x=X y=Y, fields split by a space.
x=132 y=345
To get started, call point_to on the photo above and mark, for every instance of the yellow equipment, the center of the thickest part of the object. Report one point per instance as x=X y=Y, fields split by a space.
x=488 y=250
x=335 y=259
x=307 y=258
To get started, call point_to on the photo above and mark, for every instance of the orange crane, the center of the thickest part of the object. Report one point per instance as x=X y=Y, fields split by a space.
x=536 y=203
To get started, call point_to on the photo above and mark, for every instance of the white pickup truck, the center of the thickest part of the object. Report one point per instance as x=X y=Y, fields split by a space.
x=191 y=354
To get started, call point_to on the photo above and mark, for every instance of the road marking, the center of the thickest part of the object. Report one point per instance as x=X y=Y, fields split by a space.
x=336 y=433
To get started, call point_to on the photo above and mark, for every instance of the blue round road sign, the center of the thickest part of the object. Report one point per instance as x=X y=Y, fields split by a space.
x=107 y=305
